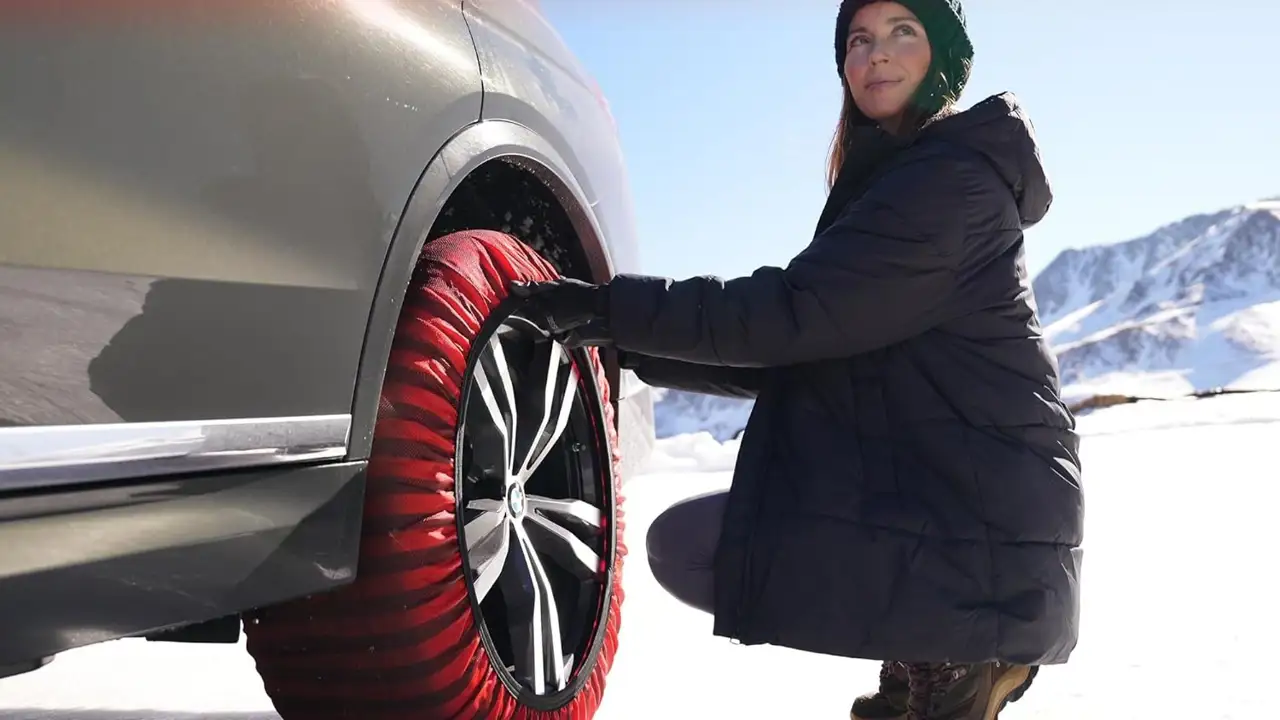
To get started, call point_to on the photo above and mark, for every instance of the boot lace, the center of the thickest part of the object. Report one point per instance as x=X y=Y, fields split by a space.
x=928 y=683
x=888 y=670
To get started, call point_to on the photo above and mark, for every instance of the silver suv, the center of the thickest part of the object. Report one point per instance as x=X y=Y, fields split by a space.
x=258 y=364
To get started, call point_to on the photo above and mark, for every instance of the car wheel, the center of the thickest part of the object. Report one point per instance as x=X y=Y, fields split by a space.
x=489 y=582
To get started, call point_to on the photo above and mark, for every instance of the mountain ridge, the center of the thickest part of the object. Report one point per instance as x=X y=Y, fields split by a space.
x=1193 y=305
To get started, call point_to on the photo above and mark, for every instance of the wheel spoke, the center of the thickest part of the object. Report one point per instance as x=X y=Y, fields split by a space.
x=579 y=510
x=534 y=616
x=552 y=406
x=492 y=513
x=488 y=539
x=563 y=547
x=506 y=424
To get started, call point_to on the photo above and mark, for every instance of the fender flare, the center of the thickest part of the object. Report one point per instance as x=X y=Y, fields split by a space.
x=470 y=148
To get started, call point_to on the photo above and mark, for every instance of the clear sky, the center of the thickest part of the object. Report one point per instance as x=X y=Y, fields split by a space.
x=1147 y=111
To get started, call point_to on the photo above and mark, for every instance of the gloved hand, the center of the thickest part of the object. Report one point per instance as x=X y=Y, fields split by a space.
x=564 y=304
x=593 y=334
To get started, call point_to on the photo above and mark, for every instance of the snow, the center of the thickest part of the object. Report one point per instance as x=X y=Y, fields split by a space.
x=1193 y=306
x=1178 y=615
x=679 y=413
x=1174 y=351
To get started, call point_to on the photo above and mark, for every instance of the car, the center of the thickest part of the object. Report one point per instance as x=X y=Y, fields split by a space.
x=260 y=368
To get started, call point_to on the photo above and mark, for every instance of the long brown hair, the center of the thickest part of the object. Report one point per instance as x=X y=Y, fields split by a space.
x=933 y=100
x=840 y=141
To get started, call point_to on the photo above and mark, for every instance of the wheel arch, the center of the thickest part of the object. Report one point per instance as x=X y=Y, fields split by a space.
x=471 y=149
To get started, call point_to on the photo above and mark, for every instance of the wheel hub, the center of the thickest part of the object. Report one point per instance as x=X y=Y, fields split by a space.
x=515 y=502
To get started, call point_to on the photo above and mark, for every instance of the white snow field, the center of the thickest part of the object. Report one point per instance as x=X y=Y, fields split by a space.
x=1180 y=619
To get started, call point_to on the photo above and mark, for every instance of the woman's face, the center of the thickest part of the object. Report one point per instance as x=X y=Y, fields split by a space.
x=888 y=57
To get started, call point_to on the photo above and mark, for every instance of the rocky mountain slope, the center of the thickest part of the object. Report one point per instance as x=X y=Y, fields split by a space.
x=1192 y=306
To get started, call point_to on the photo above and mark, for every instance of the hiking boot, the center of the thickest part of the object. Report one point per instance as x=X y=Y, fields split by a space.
x=965 y=692
x=890 y=701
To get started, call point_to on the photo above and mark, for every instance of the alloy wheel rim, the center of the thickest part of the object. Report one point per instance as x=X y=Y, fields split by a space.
x=536 y=507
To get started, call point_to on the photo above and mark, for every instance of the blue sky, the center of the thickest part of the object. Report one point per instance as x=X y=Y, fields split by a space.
x=1146 y=112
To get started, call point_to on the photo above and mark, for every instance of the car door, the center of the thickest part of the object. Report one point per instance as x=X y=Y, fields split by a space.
x=196 y=199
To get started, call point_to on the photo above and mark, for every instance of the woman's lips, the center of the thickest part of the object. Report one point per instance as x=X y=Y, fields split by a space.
x=878 y=84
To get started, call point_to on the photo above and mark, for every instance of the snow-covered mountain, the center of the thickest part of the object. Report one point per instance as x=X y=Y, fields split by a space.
x=1192 y=306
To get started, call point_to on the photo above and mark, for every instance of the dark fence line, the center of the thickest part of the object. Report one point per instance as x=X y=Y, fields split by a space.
x=1104 y=401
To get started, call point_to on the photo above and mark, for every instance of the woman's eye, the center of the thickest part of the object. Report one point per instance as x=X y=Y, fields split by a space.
x=905 y=30
x=857 y=40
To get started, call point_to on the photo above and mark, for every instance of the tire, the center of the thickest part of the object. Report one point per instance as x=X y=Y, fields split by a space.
x=408 y=640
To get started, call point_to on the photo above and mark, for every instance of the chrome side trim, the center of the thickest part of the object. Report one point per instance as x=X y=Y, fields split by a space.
x=54 y=455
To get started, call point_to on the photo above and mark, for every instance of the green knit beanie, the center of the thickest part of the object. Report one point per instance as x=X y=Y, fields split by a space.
x=945 y=24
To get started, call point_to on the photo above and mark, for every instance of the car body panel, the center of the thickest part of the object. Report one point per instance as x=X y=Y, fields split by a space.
x=197 y=198
x=532 y=78
x=84 y=566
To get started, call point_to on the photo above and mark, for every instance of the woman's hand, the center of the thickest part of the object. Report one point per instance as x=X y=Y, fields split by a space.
x=565 y=304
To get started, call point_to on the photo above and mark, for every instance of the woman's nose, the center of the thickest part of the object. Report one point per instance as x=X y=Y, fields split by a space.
x=879 y=53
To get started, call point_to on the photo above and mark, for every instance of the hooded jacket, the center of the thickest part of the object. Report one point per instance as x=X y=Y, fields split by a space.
x=908 y=486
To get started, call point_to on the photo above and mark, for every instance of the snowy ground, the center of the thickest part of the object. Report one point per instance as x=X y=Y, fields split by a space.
x=1179 y=618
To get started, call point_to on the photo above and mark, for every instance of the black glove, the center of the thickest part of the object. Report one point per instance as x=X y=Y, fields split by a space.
x=564 y=304
x=593 y=334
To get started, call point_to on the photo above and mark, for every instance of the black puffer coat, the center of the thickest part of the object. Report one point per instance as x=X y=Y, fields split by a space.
x=908 y=486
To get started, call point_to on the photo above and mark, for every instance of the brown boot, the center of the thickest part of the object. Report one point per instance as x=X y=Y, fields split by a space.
x=889 y=702
x=965 y=692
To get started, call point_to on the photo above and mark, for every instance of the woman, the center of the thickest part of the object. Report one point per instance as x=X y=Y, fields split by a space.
x=908 y=486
